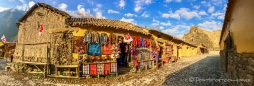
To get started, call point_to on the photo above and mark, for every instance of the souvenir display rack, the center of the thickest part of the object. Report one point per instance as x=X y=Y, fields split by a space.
x=142 y=52
x=168 y=52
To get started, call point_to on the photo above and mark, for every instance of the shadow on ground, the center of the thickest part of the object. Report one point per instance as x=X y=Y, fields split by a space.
x=200 y=73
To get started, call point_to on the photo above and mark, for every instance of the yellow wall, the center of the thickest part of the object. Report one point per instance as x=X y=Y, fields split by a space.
x=184 y=50
x=242 y=26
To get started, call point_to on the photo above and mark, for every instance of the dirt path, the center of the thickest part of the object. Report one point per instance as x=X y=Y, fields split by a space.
x=175 y=74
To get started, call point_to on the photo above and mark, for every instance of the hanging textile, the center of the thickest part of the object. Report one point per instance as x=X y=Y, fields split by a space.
x=113 y=67
x=107 y=68
x=100 y=69
x=93 y=69
x=142 y=42
x=138 y=42
x=87 y=37
x=107 y=49
x=86 y=69
x=95 y=37
x=78 y=43
x=134 y=42
x=103 y=38
x=111 y=39
x=94 y=49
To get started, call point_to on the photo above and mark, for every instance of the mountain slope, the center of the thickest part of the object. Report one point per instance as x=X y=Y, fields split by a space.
x=198 y=35
x=8 y=20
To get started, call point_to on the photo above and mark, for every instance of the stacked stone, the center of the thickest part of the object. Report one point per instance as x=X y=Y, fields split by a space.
x=240 y=66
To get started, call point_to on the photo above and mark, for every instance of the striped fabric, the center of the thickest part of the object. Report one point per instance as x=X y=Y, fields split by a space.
x=113 y=68
x=86 y=69
x=100 y=69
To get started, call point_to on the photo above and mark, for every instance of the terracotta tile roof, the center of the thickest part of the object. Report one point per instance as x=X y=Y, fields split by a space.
x=108 y=23
x=171 y=37
x=44 y=6
x=227 y=17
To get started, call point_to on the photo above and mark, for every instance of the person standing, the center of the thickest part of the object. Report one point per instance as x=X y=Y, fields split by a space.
x=11 y=57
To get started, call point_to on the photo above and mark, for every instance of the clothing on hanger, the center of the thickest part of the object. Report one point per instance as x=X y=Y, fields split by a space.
x=103 y=38
x=87 y=37
x=95 y=37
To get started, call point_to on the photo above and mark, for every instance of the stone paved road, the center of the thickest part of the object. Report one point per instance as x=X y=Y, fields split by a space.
x=175 y=74
x=205 y=72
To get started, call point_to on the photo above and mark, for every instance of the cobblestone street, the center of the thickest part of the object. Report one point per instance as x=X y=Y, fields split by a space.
x=182 y=73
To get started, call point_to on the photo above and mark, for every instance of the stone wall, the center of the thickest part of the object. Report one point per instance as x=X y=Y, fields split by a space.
x=223 y=60
x=28 y=34
x=240 y=66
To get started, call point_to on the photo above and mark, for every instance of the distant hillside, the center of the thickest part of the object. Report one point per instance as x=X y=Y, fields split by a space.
x=197 y=35
x=8 y=20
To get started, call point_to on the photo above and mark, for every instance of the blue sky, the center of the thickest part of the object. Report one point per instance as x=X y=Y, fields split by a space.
x=173 y=17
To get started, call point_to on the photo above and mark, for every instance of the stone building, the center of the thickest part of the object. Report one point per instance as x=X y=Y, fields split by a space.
x=236 y=42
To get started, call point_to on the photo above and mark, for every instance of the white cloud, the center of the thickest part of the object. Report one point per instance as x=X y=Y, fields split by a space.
x=219 y=15
x=140 y=3
x=211 y=25
x=225 y=7
x=128 y=20
x=196 y=7
x=155 y=22
x=203 y=2
x=161 y=27
x=81 y=12
x=182 y=12
x=25 y=6
x=130 y=15
x=3 y=9
x=23 y=1
x=62 y=6
x=176 y=29
x=145 y=14
x=137 y=8
x=54 y=2
x=187 y=14
x=31 y=3
x=98 y=13
x=202 y=13
x=217 y=2
x=170 y=15
x=113 y=11
x=91 y=2
x=99 y=5
x=211 y=9
x=121 y=3
x=166 y=23
x=168 y=1
x=22 y=7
